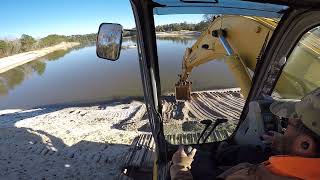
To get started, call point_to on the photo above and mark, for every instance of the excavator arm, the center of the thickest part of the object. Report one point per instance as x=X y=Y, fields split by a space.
x=238 y=40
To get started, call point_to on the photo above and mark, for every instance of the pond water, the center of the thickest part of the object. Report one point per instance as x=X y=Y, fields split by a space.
x=78 y=75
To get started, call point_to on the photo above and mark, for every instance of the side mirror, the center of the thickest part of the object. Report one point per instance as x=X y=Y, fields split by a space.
x=109 y=41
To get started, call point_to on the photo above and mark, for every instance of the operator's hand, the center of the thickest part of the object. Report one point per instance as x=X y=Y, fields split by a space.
x=270 y=137
x=181 y=164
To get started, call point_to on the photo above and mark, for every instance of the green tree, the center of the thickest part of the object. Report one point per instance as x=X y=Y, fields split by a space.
x=27 y=42
x=3 y=48
x=8 y=48
x=209 y=17
x=51 y=40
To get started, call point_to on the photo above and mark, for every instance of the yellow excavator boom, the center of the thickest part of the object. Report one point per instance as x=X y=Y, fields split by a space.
x=238 y=40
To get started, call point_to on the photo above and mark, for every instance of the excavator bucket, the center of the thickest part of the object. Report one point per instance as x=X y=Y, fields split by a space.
x=183 y=91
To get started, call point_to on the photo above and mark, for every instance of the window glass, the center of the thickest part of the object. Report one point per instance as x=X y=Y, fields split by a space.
x=301 y=73
x=218 y=90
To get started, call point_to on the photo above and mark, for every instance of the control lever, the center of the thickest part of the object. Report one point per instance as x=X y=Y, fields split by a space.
x=188 y=149
x=207 y=123
x=216 y=123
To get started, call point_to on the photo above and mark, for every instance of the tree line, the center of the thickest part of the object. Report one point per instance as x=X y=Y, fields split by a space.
x=202 y=25
x=182 y=26
x=27 y=43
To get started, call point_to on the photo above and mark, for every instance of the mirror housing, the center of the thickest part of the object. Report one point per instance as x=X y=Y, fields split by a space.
x=109 y=40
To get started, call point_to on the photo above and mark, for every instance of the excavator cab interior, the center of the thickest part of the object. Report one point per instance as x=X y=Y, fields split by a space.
x=270 y=47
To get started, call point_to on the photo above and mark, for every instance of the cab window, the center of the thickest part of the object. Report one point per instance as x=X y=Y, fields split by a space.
x=301 y=73
x=216 y=84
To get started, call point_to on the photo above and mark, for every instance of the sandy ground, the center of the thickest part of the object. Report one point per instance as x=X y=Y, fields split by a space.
x=92 y=141
x=66 y=142
x=11 y=62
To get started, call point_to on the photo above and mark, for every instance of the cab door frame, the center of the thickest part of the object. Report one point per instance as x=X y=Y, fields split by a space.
x=290 y=29
x=149 y=68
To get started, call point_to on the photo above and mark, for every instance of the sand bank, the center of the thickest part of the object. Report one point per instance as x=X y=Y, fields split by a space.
x=11 y=62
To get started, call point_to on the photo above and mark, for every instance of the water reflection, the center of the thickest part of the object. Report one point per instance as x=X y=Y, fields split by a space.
x=57 y=54
x=129 y=43
x=77 y=75
x=185 y=40
x=10 y=79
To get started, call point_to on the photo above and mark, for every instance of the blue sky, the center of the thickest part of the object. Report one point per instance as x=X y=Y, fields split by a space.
x=42 y=17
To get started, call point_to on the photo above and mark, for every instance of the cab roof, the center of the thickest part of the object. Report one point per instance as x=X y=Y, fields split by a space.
x=235 y=7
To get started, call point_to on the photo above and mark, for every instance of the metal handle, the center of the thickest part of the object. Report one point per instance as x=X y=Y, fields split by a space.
x=207 y=123
x=216 y=123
